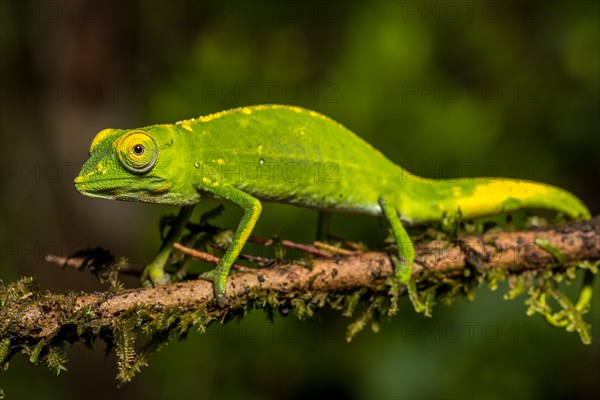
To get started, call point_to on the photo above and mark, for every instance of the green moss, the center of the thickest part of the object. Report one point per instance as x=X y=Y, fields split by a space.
x=351 y=301
x=138 y=333
x=517 y=286
x=569 y=314
x=4 y=352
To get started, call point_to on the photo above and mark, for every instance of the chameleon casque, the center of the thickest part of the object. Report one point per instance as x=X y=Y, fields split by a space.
x=290 y=155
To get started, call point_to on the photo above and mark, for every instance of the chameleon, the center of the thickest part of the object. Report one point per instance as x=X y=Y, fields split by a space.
x=295 y=156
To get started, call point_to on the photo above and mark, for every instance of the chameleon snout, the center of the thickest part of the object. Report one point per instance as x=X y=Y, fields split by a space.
x=88 y=174
x=80 y=182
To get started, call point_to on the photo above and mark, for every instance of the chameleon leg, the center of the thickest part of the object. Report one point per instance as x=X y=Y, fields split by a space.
x=252 y=209
x=406 y=252
x=323 y=224
x=154 y=273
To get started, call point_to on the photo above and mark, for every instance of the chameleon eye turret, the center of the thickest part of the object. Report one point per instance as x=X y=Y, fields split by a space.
x=137 y=152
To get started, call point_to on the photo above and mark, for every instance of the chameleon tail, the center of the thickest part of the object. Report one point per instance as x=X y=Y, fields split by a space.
x=473 y=198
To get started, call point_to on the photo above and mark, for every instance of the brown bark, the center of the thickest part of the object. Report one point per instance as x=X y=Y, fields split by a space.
x=513 y=252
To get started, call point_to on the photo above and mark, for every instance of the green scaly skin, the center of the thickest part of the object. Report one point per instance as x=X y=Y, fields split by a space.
x=289 y=155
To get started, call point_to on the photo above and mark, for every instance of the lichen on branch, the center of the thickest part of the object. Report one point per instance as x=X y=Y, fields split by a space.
x=534 y=261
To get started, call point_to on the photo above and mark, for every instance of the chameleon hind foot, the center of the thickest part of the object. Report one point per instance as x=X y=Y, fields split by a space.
x=402 y=269
x=403 y=261
x=219 y=284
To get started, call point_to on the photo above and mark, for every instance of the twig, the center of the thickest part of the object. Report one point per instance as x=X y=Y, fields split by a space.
x=200 y=255
x=348 y=243
x=249 y=257
x=333 y=249
x=292 y=245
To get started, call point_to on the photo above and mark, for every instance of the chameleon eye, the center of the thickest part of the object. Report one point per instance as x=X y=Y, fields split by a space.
x=137 y=152
x=138 y=149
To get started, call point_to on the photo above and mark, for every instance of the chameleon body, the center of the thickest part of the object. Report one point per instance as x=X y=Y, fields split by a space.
x=290 y=155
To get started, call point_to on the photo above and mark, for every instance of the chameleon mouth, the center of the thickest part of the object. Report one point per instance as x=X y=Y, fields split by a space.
x=81 y=180
x=120 y=188
x=97 y=195
x=86 y=186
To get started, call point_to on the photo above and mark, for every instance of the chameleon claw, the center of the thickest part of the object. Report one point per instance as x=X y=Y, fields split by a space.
x=221 y=298
x=219 y=285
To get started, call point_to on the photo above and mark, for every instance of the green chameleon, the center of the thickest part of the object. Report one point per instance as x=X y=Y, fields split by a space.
x=294 y=156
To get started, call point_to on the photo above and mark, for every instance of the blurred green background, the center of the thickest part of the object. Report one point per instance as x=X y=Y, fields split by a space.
x=444 y=88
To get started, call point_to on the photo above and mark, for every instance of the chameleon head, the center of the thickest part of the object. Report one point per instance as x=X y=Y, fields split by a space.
x=129 y=165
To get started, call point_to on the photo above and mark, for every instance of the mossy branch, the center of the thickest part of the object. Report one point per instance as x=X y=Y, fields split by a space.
x=38 y=324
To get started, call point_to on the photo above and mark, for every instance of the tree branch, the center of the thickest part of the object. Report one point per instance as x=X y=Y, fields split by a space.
x=30 y=318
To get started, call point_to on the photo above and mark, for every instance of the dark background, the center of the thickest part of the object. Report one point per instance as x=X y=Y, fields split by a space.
x=444 y=88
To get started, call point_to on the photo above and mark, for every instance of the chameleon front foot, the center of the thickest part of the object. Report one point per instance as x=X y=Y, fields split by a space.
x=219 y=285
x=154 y=275
x=402 y=269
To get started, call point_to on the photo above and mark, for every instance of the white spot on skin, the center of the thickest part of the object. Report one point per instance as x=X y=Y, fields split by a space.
x=100 y=169
x=185 y=121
